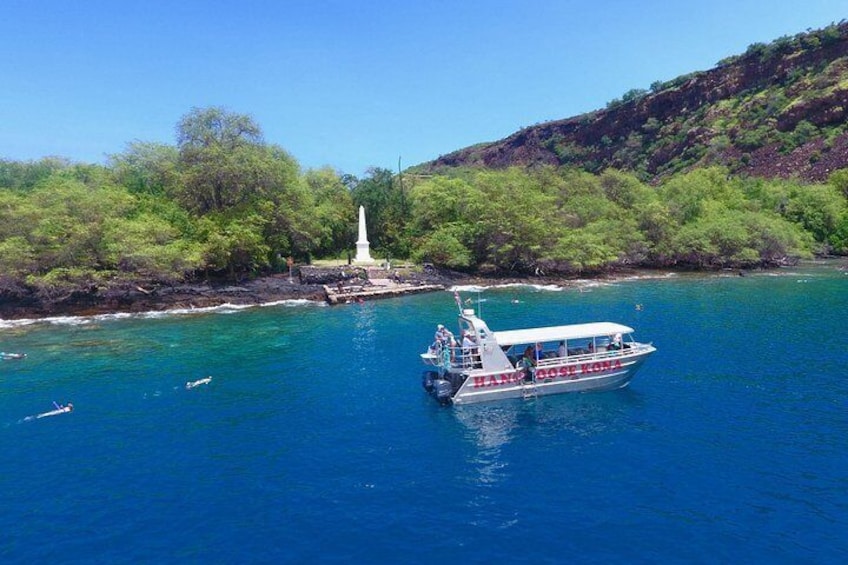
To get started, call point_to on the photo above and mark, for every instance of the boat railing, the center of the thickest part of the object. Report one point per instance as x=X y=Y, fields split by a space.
x=460 y=357
x=470 y=357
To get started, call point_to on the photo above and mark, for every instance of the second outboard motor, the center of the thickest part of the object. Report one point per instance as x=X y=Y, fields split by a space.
x=427 y=380
x=442 y=390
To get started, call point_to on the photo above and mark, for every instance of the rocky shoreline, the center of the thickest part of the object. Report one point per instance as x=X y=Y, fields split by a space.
x=128 y=298
x=307 y=283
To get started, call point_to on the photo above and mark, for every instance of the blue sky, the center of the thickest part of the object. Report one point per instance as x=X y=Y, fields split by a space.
x=351 y=84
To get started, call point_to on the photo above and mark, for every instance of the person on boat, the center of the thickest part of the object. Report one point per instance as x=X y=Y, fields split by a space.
x=444 y=336
x=561 y=350
x=538 y=353
x=615 y=343
x=444 y=340
x=469 y=350
x=528 y=364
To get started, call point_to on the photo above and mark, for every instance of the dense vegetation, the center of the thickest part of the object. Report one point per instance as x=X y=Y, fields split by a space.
x=569 y=221
x=223 y=202
x=220 y=201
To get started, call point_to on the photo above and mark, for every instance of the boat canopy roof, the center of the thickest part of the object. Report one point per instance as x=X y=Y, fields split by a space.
x=559 y=333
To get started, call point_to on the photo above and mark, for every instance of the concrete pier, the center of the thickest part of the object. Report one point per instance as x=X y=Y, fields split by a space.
x=357 y=293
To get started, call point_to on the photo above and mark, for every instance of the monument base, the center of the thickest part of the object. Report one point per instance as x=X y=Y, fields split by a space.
x=363 y=253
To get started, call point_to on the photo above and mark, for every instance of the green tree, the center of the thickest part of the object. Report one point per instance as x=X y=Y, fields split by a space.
x=147 y=168
x=387 y=208
x=236 y=245
x=688 y=194
x=17 y=257
x=737 y=239
x=776 y=239
x=442 y=201
x=634 y=94
x=68 y=228
x=443 y=247
x=17 y=214
x=818 y=208
x=219 y=154
x=656 y=224
x=599 y=245
x=335 y=214
x=229 y=173
x=839 y=239
x=839 y=180
x=516 y=223
x=286 y=201
x=150 y=247
x=444 y=224
x=25 y=176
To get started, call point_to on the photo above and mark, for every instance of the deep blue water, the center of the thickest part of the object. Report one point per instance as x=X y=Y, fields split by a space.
x=316 y=442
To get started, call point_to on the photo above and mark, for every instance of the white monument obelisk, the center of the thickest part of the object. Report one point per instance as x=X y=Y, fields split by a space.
x=363 y=254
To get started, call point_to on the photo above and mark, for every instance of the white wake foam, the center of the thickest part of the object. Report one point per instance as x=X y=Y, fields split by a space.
x=153 y=314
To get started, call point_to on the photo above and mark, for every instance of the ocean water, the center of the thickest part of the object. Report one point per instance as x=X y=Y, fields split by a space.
x=315 y=442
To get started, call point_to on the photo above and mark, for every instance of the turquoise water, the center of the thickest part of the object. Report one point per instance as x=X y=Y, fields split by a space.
x=315 y=441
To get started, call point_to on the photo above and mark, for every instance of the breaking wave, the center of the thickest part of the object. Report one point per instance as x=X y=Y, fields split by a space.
x=153 y=314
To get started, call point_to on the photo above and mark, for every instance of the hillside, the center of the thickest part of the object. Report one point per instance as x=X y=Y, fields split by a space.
x=777 y=111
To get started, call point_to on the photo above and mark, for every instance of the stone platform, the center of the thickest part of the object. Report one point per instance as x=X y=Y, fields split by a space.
x=379 y=288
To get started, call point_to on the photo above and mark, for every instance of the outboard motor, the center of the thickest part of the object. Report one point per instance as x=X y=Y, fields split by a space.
x=442 y=390
x=427 y=380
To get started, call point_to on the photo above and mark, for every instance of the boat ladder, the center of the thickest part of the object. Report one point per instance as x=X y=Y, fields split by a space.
x=528 y=390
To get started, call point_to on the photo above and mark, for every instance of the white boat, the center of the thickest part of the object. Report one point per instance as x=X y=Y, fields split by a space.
x=492 y=366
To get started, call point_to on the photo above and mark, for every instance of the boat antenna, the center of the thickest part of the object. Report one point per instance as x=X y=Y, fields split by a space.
x=458 y=301
x=479 y=305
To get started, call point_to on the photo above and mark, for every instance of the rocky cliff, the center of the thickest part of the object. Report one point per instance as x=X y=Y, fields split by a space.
x=779 y=110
